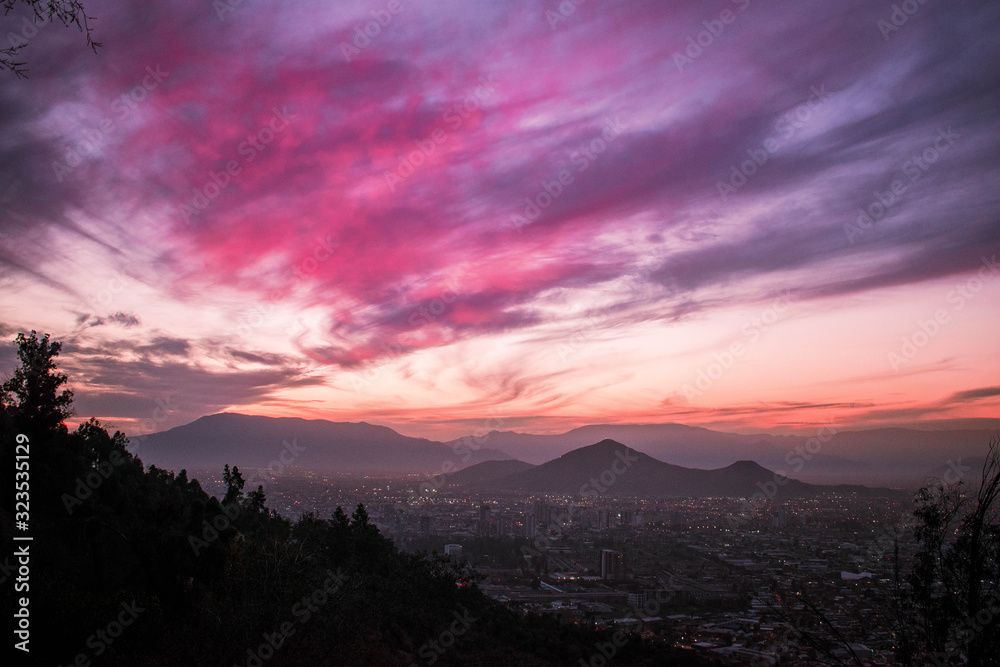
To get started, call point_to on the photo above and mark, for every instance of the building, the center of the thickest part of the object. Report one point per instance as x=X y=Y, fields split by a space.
x=530 y=526
x=453 y=551
x=543 y=513
x=483 y=526
x=637 y=600
x=613 y=565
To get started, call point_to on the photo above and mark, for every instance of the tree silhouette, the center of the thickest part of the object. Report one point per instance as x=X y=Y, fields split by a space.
x=359 y=517
x=947 y=605
x=212 y=581
x=68 y=12
x=32 y=393
x=234 y=484
x=256 y=500
x=956 y=575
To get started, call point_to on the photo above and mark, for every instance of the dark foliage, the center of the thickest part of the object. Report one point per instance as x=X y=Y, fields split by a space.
x=204 y=582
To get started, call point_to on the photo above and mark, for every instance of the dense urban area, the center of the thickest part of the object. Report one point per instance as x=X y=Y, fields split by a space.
x=722 y=576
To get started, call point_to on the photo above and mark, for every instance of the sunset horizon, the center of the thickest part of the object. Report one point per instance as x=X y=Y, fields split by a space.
x=374 y=219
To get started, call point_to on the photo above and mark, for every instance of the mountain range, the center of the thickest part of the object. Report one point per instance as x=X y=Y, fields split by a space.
x=287 y=443
x=611 y=468
x=880 y=457
x=832 y=455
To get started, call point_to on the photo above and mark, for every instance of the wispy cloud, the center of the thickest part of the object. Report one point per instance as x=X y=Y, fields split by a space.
x=231 y=175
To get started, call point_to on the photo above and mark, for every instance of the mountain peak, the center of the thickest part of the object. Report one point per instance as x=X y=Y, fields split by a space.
x=603 y=453
x=745 y=464
x=607 y=445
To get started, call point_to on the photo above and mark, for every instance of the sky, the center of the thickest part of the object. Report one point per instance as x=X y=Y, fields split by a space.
x=454 y=216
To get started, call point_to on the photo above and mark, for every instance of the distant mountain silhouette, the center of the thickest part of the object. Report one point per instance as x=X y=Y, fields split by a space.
x=884 y=457
x=893 y=456
x=252 y=442
x=611 y=468
x=482 y=474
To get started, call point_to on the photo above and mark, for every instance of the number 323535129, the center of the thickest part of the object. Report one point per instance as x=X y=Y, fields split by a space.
x=21 y=477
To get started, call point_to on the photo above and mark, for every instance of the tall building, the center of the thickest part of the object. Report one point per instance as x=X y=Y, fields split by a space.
x=614 y=565
x=484 y=520
x=543 y=513
x=530 y=526
x=425 y=524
